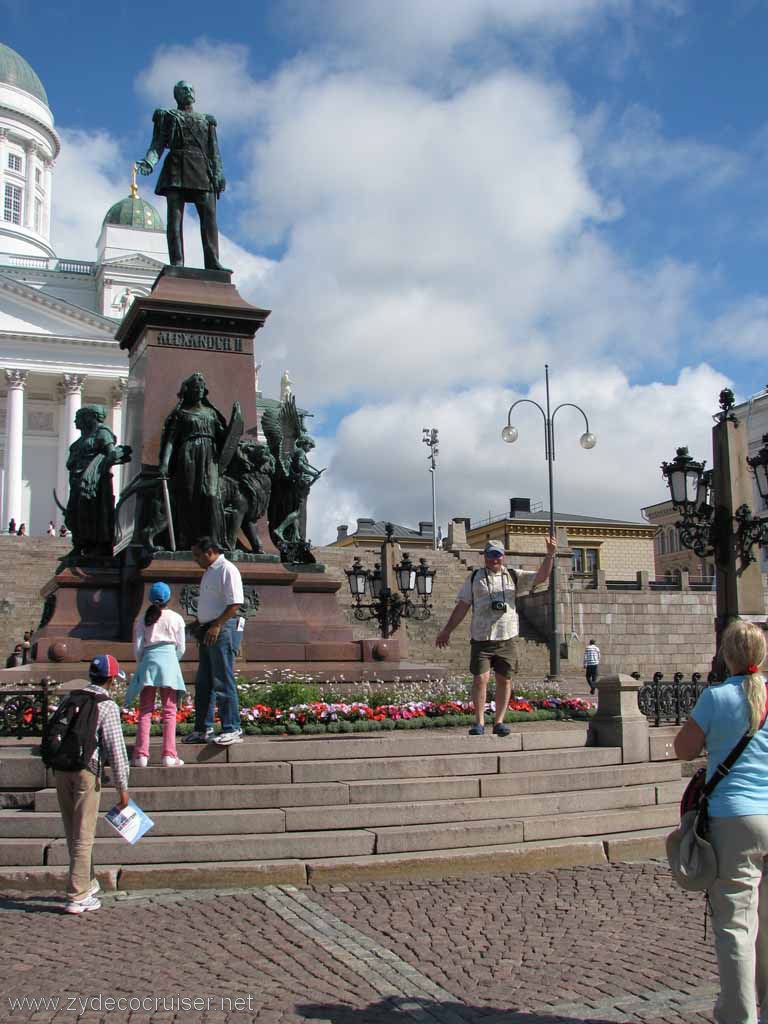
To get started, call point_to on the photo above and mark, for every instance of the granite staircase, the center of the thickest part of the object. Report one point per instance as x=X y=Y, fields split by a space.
x=288 y=810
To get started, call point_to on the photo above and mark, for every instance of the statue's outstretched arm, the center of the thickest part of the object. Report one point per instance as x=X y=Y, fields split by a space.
x=156 y=146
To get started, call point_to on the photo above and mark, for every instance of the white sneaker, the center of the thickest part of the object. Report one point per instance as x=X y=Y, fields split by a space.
x=224 y=739
x=93 y=888
x=199 y=737
x=172 y=762
x=81 y=906
x=139 y=761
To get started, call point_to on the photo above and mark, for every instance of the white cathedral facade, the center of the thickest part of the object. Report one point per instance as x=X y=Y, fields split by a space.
x=58 y=316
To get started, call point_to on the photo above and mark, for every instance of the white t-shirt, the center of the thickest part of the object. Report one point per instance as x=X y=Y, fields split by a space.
x=220 y=586
x=487 y=623
x=169 y=629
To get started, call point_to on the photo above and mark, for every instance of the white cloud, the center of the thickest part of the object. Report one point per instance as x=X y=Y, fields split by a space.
x=218 y=71
x=741 y=330
x=642 y=152
x=91 y=174
x=379 y=468
x=421 y=35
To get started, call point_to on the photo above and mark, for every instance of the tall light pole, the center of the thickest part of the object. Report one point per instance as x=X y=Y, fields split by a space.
x=587 y=440
x=429 y=437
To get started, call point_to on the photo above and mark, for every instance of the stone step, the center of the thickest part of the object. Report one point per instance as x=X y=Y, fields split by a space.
x=188 y=849
x=48 y=825
x=299 y=819
x=447 y=835
x=663 y=773
x=562 y=826
x=22 y=851
x=381 y=768
x=470 y=861
x=168 y=798
x=221 y=774
x=401 y=744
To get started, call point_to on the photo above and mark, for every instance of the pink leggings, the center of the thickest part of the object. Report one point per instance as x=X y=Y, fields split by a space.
x=146 y=707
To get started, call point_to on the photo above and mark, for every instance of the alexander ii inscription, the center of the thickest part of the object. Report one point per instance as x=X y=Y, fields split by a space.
x=209 y=342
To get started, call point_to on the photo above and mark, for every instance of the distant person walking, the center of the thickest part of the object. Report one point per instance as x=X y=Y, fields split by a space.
x=158 y=643
x=738 y=821
x=51 y=531
x=12 y=526
x=591 y=662
x=491 y=593
x=219 y=631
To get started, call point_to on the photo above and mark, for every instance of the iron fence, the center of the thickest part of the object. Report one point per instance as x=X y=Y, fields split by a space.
x=670 y=702
x=24 y=711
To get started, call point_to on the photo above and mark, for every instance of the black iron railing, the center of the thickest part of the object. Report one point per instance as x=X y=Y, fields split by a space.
x=24 y=710
x=670 y=702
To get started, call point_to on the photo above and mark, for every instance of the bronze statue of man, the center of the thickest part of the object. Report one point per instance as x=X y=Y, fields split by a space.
x=192 y=172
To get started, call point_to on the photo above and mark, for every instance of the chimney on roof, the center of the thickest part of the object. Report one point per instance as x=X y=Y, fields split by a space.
x=342 y=532
x=518 y=505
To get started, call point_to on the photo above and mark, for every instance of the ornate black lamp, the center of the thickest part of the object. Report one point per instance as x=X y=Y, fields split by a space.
x=387 y=606
x=759 y=466
x=707 y=528
x=690 y=485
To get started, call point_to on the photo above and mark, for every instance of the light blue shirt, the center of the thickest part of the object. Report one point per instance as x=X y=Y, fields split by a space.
x=721 y=712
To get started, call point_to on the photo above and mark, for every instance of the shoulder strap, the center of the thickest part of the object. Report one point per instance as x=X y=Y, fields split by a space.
x=472 y=586
x=725 y=766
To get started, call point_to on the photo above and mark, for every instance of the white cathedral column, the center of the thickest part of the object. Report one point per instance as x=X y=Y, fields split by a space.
x=117 y=396
x=70 y=391
x=16 y=381
x=29 y=188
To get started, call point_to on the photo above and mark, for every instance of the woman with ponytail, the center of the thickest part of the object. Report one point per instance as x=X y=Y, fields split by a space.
x=738 y=816
x=158 y=643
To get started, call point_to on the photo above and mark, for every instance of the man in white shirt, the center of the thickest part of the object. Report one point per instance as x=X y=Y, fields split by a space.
x=491 y=593
x=219 y=631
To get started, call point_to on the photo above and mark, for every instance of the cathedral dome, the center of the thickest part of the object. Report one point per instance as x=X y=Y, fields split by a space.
x=14 y=70
x=135 y=212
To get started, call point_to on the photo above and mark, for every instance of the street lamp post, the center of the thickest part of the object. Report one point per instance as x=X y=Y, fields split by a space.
x=587 y=440
x=429 y=437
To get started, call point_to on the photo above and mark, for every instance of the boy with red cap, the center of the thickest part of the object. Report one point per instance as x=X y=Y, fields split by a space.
x=79 y=792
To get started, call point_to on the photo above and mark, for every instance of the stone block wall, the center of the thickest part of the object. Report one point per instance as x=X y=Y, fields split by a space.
x=637 y=631
x=26 y=565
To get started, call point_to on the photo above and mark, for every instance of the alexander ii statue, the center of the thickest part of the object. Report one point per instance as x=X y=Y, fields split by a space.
x=192 y=172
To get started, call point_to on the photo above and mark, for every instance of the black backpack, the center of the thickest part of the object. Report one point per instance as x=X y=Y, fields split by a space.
x=69 y=737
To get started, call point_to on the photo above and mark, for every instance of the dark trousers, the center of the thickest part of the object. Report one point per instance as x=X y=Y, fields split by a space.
x=591 y=675
x=205 y=204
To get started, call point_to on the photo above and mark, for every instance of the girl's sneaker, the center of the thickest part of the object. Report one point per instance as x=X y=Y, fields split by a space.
x=171 y=762
x=139 y=761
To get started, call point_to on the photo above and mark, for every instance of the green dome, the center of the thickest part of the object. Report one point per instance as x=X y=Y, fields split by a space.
x=134 y=212
x=14 y=70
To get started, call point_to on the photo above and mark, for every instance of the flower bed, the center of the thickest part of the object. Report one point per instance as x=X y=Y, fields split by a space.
x=317 y=717
x=290 y=705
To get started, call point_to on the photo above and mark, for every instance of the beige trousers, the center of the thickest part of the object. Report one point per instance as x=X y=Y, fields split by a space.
x=739 y=900
x=79 y=794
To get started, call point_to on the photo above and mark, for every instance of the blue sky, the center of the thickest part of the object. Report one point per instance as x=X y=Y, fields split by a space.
x=436 y=197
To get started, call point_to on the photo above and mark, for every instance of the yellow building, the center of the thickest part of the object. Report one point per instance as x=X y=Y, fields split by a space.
x=670 y=556
x=619 y=548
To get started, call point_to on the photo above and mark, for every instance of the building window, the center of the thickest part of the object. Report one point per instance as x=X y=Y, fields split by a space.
x=39 y=216
x=12 y=204
x=14 y=162
x=584 y=561
x=38 y=177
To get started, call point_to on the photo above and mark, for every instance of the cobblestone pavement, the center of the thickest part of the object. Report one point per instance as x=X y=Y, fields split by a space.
x=609 y=943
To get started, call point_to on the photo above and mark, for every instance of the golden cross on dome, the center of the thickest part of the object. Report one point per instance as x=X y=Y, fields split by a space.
x=134 y=186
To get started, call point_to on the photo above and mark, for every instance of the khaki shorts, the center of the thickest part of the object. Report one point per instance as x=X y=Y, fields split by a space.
x=499 y=655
